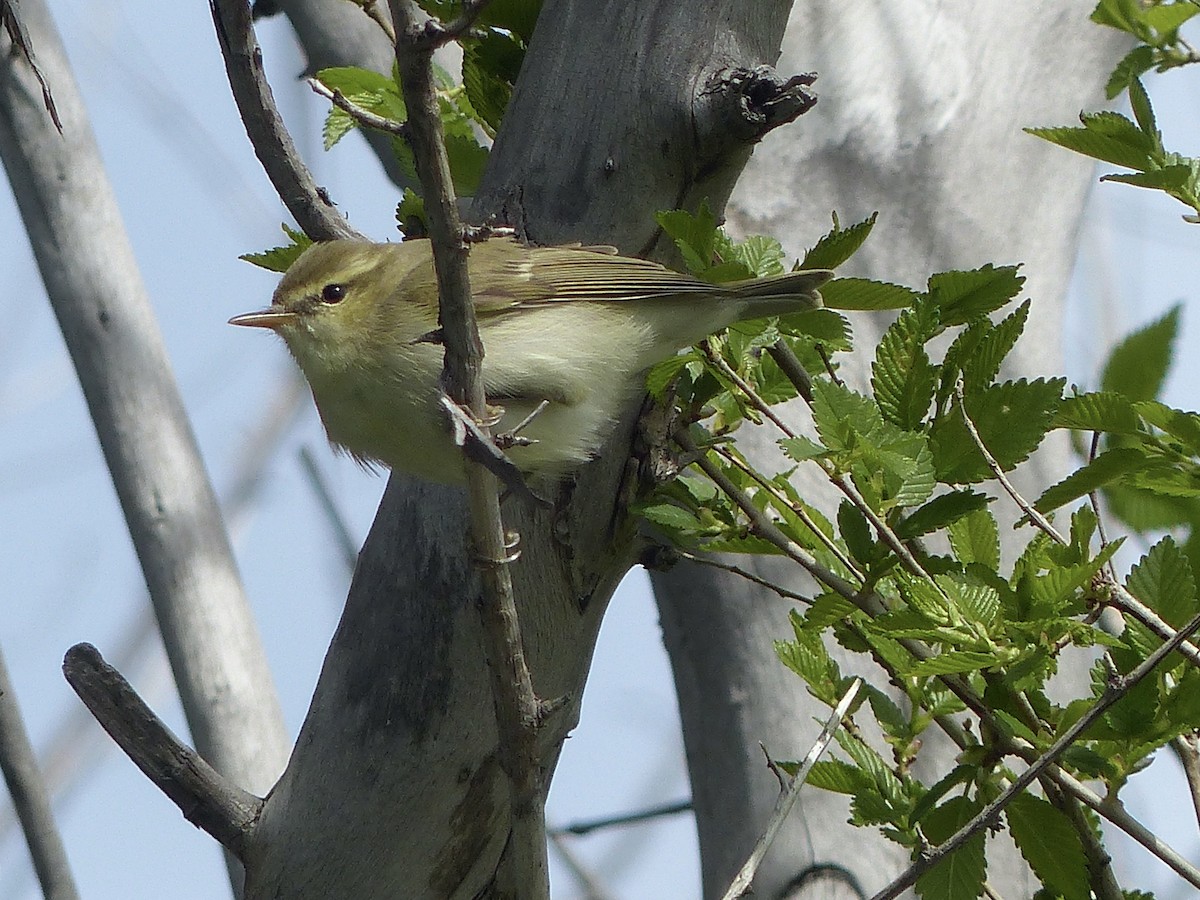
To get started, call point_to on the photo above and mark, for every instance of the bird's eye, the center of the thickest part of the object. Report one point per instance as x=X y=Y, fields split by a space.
x=333 y=293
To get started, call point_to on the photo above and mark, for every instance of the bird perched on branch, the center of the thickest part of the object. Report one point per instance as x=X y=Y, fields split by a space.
x=568 y=334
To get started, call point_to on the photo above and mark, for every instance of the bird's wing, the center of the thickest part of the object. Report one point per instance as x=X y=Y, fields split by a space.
x=544 y=275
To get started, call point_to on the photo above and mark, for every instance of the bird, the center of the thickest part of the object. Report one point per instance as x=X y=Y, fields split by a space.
x=568 y=333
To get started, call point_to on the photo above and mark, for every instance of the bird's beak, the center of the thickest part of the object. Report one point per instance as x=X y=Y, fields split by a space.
x=271 y=317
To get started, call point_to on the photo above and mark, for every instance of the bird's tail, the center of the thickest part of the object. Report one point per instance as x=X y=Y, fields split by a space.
x=778 y=295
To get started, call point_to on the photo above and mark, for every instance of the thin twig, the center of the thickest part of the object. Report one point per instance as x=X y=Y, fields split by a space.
x=798 y=511
x=768 y=530
x=587 y=826
x=587 y=880
x=31 y=799
x=1026 y=507
x=519 y=712
x=1116 y=689
x=205 y=798
x=744 y=386
x=789 y=363
x=436 y=34
x=742 y=882
x=358 y=113
x=748 y=575
x=306 y=201
x=1119 y=598
x=1187 y=749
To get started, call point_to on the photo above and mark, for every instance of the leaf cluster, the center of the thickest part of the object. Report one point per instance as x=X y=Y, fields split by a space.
x=910 y=572
x=1137 y=143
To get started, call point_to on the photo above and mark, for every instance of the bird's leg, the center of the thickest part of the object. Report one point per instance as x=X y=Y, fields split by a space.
x=512 y=438
x=480 y=448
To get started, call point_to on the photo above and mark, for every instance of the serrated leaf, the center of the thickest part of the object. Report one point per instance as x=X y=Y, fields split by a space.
x=975 y=538
x=489 y=69
x=837 y=776
x=695 y=236
x=1106 y=411
x=839 y=245
x=901 y=374
x=1049 y=843
x=1167 y=17
x=365 y=88
x=1101 y=471
x=761 y=255
x=960 y=875
x=661 y=375
x=941 y=512
x=992 y=346
x=856 y=532
x=962 y=296
x=1138 y=365
x=821 y=325
x=801 y=449
x=1011 y=418
x=1164 y=581
x=410 y=215
x=280 y=259
x=1143 y=112
x=1166 y=178
x=1136 y=63
x=670 y=516
x=1106 y=136
x=1183 y=426
x=841 y=415
x=467 y=162
x=953 y=661
x=863 y=293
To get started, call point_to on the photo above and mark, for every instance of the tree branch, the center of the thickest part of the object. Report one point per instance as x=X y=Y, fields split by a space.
x=206 y=799
x=310 y=205
x=518 y=710
x=30 y=798
x=1116 y=689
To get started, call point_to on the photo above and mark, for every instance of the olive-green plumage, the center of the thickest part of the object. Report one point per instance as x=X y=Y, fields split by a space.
x=574 y=326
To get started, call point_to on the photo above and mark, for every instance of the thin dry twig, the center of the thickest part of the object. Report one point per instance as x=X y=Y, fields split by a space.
x=519 y=712
x=358 y=113
x=206 y=799
x=742 y=882
x=1187 y=748
x=746 y=574
x=308 y=203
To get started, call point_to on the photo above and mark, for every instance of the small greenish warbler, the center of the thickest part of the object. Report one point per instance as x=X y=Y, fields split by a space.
x=576 y=327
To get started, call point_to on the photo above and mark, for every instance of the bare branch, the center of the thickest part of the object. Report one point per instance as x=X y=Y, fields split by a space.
x=1187 y=749
x=519 y=713
x=436 y=34
x=206 y=799
x=305 y=200
x=357 y=113
x=30 y=798
x=742 y=882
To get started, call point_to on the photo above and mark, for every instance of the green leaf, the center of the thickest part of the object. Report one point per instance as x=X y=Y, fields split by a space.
x=695 y=236
x=365 y=88
x=975 y=538
x=801 y=448
x=958 y=876
x=822 y=325
x=835 y=775
x=1107 y=136
x=1167 y=17
x=280 y=259
x=1183 y=426
x=953 y=661
x=1138 y=365
x=991 y=346
x=1104 y=469
x=1107 y=411
x=1166 y=178
x=517 y=16
x=838 y=245
x=1050 y=844
x=856 y=532
x=863 y=293
x=1011 y=418
x=962 y=296
x=410 y=214
x=1136 y=63
x=1164 y=581
x=467 y=162
x=761 y=255
x=489 y=70
x=902 y=375
x=940 y=512
x=671 y=516
x=1143 y=112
